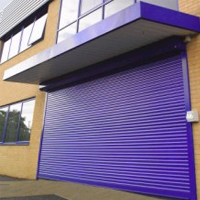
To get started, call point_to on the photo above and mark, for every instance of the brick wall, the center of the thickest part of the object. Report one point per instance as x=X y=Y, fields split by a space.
x=193 y=53
x=21 y=161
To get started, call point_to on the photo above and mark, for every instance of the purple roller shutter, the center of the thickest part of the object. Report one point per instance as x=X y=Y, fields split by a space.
x=126 y=131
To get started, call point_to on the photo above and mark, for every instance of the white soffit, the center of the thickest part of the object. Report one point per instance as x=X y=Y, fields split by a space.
x=124 y=39
x=16 y=12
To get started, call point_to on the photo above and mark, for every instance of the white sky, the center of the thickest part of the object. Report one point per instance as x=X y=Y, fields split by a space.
x=4 y=3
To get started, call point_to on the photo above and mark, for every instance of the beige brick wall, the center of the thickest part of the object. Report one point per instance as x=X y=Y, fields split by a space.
x=21 y=161
x=193 y=52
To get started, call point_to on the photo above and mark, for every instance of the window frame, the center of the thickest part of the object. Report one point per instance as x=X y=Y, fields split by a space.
x=80 y=16
x=10 y=47
x=33 y=28
x=21 y=29
x=6 y=119
x=17 y=142
x=2 y=49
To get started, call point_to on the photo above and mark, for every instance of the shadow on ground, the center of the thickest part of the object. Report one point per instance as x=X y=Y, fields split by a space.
x=6 y=178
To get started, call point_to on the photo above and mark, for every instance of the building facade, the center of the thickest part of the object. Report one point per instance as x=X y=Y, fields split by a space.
x=103 y=92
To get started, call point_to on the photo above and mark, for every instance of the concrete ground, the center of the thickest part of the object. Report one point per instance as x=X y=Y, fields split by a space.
x=40 y=197
x=10 y=188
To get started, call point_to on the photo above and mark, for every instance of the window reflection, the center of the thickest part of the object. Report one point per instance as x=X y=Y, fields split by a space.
x=26 y=120
x=16 y=122
x=12 y=124
x=115 y=6
x=67 y=32
x=38 y=29
x=3 y=114
x=90 y=19
x=14 y=48
x=91 y=12
x=6 y=48
x=25 y=37
x=69 y=12
x=87 y=5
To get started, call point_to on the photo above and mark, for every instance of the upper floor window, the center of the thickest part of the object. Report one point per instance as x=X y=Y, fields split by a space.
x=16 y=122
x=77 y=15
x=25 y=37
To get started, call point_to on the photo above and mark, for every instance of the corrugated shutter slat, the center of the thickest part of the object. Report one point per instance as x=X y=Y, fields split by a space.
x=127 y=131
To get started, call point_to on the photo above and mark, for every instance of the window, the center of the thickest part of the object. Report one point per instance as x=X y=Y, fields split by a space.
x=77 y=15
x=16 y=122
x=12 y=123
x=87 y=5
x=69 y=12
x=26 y=121
x=38 y=29
x=90 y=19
x=3 y=115
x=115 y=6
x=14 y=47
x=6 y=48
x=24 y=38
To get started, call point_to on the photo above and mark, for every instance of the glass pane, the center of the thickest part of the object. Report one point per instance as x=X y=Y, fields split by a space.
x=26 y=120
x=116 y=5
x=38 y=29
x=14 y=48
x=12 y=125
x=87 y=5
x=69 y=12
x=25 y=37
x=67 y=32
x=6 y=48
x=3 y=113
x=90 y=19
